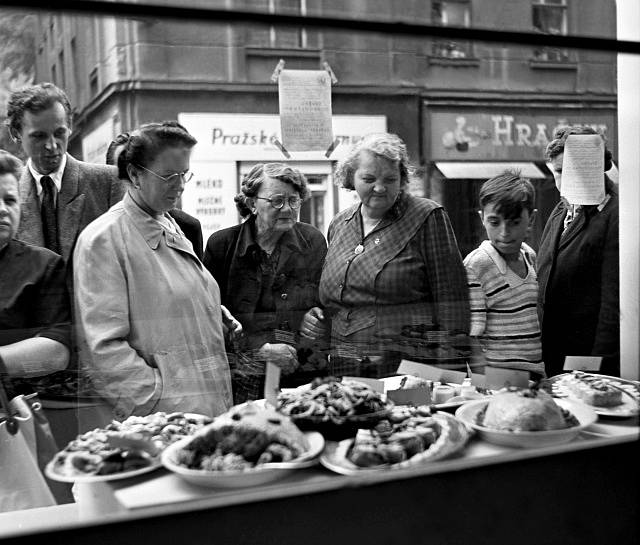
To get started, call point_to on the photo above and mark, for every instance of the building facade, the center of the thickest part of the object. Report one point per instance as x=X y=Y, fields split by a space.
x=465 y=110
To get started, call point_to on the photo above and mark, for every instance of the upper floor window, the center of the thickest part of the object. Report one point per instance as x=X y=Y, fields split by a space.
x=550 y=17
x=282 y=37
x=451 y=13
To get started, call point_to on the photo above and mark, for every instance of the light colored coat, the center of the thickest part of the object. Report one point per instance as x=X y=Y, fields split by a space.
x=87 y=191
x=149 y=325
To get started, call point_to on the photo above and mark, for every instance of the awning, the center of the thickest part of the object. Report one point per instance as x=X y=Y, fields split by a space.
x=486 y=170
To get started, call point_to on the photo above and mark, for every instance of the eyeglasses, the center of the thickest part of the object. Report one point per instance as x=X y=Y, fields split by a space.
x=172 y=178
x=277 y=201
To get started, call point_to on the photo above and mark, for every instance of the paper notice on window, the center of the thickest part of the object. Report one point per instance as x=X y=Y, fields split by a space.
x=305 y=110
x=583 y=169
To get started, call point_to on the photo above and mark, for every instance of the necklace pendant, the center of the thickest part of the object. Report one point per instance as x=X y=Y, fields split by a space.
x=359 y=249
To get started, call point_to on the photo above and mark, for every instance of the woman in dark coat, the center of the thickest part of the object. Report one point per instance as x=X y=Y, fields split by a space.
x=268 y=269
x=35 y=327
x=578 y=273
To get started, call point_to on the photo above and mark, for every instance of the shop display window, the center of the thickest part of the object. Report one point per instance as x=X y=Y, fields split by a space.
x=495 y=112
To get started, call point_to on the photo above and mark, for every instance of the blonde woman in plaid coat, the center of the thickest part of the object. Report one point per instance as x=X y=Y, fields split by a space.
x=393 y=283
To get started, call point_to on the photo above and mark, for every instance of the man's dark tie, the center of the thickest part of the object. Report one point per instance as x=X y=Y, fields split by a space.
x=48 y=212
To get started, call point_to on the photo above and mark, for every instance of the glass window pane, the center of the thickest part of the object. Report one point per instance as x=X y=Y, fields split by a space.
x=550 y=20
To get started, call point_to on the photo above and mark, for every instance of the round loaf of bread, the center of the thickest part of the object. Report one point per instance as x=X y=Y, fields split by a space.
x=523 y=410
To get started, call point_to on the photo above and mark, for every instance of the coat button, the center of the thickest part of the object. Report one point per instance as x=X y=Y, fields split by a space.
x=284 y=296
x=341 y=285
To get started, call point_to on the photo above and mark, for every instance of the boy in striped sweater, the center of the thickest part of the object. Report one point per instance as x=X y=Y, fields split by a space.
x=503 y=286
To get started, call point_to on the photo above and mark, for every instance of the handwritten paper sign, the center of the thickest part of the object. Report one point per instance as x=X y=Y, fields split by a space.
x=583 y=169
x=272 y=384
x=582 y=363
x=305 y=110
x=498 y=377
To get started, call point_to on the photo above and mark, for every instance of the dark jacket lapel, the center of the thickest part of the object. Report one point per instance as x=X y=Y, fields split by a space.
x=70 y=207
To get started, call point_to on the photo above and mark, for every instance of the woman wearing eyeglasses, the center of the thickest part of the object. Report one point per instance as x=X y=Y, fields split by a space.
x=150 y=328
x=268 y=269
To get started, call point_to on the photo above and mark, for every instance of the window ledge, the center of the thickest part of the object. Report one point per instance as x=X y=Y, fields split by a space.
x=552 y=65
x=276 y=52
x=448 y=61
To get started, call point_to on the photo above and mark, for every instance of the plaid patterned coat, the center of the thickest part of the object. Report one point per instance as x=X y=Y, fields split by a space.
x=406 y=272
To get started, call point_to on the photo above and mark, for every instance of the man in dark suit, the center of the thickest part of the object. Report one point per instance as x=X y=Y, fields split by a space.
x=578 y=272
x=189 y=225
x=60 y=195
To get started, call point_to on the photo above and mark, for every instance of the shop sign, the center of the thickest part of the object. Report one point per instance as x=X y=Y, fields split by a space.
x=209 y=196
x=504 y=135
x=225 y=140
x=251 y=137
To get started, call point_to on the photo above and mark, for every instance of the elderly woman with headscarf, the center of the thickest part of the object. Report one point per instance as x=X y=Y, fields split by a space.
x=578 y=272
x=149 y=318
x=393 y=284
x=268 y=270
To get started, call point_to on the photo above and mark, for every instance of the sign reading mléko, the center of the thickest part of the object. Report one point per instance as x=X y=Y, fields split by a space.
x=225 y=140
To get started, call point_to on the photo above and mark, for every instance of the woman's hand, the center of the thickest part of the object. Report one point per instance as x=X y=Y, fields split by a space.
x=282 y=355
x=231 y=326
x=313 y=325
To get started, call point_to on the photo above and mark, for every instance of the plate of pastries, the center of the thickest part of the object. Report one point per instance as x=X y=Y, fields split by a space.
x=124 y=449
x=609 y=396
x=251 y=444
x=409 y=436
x=334 y=407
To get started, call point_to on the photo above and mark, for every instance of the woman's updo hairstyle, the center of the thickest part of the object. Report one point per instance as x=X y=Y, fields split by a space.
x=252 y=181
x=387 y=145
x=556 y=146
x=145 y=144
x=10 y=164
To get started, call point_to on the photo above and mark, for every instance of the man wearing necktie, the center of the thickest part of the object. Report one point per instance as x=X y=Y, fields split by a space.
x=578 y=271
x=60 y=195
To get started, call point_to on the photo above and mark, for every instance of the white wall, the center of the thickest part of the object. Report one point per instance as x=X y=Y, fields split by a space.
x=628 y=12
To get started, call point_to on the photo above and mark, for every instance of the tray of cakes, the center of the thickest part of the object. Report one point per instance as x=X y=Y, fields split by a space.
x=250 y=444
x=408 y=436
x=335 y=407
x=526 y=418
x=124 y=449
x=609 y=396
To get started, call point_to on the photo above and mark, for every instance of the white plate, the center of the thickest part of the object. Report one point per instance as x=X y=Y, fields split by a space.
x=626 y=409
x=335 y=458
x=251 y=477
x=528 y=439
x=51 y=472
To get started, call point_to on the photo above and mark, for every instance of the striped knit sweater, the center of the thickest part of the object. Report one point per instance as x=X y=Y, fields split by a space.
x=503 y=309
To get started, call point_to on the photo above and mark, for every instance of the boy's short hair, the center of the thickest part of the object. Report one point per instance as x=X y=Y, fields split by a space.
x=509 y=193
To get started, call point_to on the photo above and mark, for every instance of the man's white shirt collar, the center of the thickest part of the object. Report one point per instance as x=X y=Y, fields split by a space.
x=56 y=176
